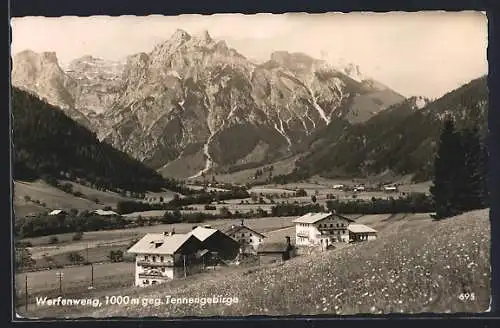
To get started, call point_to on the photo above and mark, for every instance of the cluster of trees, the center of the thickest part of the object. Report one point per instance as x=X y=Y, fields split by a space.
x=286 y=209
x=259 y=173
x=126 y=207
x=43 y=225
x=460 y=171
x=23 y=259
x=49 y=143
x=413 y=203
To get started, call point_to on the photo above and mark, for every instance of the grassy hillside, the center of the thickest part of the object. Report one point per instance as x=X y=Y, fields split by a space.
x=416 y=265
x=401 y=139
x=47 y=143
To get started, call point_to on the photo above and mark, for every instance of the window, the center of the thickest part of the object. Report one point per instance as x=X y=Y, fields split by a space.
x=146 y=257
x=146 y=282
x=162 y=258
x=331 y=225
x=153 y=282
x=260 y=240
x=337 y=225
x=154 y=258
x=162 y=269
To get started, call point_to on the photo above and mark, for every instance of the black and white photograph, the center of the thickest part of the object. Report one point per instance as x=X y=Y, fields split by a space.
x=243 y=165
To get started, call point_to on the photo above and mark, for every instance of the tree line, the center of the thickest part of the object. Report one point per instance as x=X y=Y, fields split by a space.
x=460 y=181
x=47 y=143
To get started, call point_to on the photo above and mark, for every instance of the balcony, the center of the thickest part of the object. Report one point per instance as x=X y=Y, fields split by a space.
x=155 y=264
x=152 y=276
x=303 y=234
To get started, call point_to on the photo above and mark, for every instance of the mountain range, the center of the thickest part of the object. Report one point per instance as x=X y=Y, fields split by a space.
x=185 y=103
x=194 y=106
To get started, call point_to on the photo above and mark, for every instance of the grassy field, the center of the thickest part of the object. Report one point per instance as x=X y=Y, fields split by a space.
x=415 y=265
x=76 y=280
x=52 y=197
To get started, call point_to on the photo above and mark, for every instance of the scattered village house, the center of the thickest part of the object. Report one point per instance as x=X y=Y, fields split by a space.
x=361 y=232
x=275 y=252
x=248 y=238
x=164 y=256
x=321 y=229
x=105 y=213
x=57 y=212
x=217 y=243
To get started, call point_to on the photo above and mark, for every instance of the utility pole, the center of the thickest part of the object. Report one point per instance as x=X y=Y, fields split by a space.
x=184 y=260
x=26 y=292
x=91 y=276
x=60 y=275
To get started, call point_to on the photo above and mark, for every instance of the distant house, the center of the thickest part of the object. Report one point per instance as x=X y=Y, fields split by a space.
x=216 y=242
x=321 y=229
x=361 y=232
x=105 y=213
x=248 y=238
x=338 y=187
x=359 y=188
x=57 y=212
x=275 y=252
x=390 y=188
x=161 y=257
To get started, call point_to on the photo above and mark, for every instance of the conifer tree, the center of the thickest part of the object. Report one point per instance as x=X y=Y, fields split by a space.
x=447 y=169
x=471 y=189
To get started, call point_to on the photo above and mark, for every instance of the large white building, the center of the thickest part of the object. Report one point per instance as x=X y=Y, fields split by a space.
x=321 y=229
x=164 y=256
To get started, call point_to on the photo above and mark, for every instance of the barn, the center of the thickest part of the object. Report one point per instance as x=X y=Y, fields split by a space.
x=217 y=242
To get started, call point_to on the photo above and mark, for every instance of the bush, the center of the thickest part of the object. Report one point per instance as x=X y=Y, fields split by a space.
x=301 y=193
x=53 y=240
x=116 y=256
x=75 y=257
x=78 y=236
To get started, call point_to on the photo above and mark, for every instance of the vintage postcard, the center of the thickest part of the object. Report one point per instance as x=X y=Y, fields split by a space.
x=238 y=165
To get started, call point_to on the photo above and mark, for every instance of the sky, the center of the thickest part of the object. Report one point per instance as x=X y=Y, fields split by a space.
x=416 y=54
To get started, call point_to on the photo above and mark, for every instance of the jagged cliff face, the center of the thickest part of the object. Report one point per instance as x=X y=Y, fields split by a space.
x=193 y=104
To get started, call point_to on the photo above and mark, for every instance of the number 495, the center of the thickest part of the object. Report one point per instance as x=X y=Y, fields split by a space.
x=467 y=297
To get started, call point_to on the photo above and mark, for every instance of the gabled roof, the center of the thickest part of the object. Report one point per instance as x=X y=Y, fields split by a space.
x=273 y=248
x=104 y=213
x=316 y=217
x=158 y=243
x=360 y=228
x=56 y=212
x=202 y=233
x=236 y=228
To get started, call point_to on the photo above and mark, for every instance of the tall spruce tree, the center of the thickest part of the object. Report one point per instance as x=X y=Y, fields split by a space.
x=470 y=192
x=447 y=170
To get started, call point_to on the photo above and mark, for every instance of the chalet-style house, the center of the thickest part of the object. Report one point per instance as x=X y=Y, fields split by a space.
x=218 y=243
x=164 y=256
x=361 y=232
x=321 y=229
x=275 y=252
x=248 y=238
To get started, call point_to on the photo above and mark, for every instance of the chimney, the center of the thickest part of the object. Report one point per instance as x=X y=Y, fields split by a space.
x=194 y=227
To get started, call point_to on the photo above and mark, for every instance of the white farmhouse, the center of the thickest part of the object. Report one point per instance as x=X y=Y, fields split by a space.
x=321 y=229
x=248 y=239
x=161 y=257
